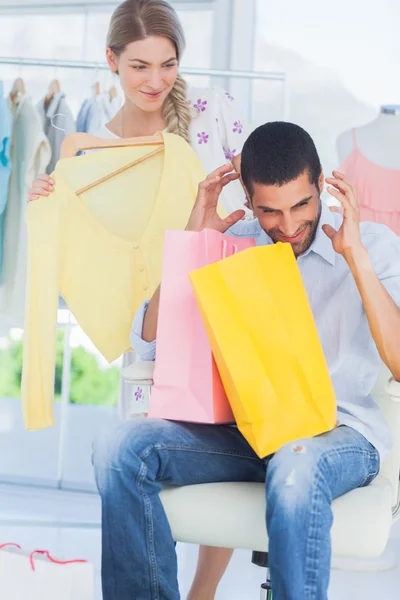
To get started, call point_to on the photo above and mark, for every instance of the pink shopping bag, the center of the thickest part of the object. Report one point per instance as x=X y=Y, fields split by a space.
x=187 y=385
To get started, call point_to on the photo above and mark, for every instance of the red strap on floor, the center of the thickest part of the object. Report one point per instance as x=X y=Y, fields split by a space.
x=53 y=560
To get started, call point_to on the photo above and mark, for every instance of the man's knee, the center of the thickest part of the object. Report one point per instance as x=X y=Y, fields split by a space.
x=123 y=446
x=292 y=474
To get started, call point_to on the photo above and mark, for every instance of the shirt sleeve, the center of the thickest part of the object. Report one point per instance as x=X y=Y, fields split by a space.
x=233 y=129
x=37 y=388
x=384 y=252
x=145 y=350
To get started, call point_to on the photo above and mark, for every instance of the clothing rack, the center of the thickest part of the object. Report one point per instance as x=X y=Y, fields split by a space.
x=102 y=66
x=80 y=64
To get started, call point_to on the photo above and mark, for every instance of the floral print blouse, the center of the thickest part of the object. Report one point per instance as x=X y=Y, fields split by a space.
x=217 y=134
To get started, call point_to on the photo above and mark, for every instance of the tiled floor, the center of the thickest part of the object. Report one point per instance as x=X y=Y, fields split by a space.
x=19 y=505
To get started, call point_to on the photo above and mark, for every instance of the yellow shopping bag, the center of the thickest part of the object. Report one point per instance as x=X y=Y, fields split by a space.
x=266 y=345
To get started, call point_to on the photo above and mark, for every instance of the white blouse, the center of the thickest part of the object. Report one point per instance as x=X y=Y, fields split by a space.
x=217 y=134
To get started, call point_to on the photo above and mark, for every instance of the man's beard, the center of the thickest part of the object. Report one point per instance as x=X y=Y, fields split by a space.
x=304 y=244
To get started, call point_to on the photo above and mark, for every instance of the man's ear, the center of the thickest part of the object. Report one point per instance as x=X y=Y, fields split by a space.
x=321 y=183
x=249 y=201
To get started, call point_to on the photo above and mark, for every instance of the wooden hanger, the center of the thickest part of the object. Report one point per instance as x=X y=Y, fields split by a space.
x=54 y=88
x=18 y=88
x=112 y=93
x=77 y=142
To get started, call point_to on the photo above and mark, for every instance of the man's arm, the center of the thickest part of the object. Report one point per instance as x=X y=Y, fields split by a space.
x=204 y=215
x=151 y=317
x=146 y=350
x=382 y=312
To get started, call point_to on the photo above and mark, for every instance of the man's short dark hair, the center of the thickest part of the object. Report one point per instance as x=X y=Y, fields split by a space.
x=277 y=153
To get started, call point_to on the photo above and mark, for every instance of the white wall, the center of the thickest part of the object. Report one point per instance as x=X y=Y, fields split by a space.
x=342 y=59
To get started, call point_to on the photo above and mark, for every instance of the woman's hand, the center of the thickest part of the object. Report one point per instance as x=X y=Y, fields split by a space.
x=204 y=214
x=42 y=186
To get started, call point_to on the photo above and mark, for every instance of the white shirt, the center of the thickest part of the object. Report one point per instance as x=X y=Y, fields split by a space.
x=217 y=134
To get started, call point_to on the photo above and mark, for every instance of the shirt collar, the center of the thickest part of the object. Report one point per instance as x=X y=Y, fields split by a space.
x=54 y=105
x=321 y=245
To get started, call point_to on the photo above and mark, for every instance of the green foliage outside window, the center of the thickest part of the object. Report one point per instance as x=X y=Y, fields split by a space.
x=90 y=383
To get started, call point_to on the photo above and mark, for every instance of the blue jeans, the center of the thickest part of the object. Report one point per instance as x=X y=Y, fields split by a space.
x=133 y=462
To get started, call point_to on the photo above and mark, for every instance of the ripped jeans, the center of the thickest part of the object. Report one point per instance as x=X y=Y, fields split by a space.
x=134 y=460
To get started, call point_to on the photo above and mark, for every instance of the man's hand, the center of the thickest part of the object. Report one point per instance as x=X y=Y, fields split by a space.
x=347 y=239
x=204 y=214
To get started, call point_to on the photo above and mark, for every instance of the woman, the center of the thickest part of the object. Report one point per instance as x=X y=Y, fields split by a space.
x=144 y=46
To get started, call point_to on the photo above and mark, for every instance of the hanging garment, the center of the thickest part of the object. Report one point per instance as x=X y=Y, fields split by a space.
x=112 y=105
x=30 y=155
x=83 y=118
x=102 y=250
x=58 y=122
x=103 y=111
x=378 y=188
x=5 y=166
x=95 y=112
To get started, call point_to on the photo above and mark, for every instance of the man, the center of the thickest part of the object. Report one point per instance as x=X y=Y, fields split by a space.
x=352 y=276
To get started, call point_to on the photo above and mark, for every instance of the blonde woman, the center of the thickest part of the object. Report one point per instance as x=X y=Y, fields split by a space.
x=145 y=42
x=144 y=46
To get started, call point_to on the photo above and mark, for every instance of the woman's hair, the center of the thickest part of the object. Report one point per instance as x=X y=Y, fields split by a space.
x=135 y=20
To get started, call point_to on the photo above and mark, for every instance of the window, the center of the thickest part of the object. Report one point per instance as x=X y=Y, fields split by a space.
x=339 y=70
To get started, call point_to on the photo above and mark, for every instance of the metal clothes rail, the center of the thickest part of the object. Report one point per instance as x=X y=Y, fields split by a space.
x=80 y=64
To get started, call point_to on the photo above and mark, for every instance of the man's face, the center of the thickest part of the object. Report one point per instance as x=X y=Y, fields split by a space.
x=289 y=213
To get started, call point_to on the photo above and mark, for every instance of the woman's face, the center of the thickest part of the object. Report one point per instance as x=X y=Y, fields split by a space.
x=148 y=70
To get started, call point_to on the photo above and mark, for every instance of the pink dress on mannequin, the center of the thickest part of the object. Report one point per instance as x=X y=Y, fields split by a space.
x=378 y=188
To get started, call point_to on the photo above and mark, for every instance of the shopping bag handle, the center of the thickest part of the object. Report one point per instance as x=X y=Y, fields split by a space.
x=53 y=560
x=225 y=249
x=10 y=544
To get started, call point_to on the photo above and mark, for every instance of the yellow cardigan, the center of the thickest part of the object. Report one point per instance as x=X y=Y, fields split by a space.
x=102 y=251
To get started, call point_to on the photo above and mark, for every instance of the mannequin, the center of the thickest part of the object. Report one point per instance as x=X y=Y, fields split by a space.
x=370 y=157
x=379 y=140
